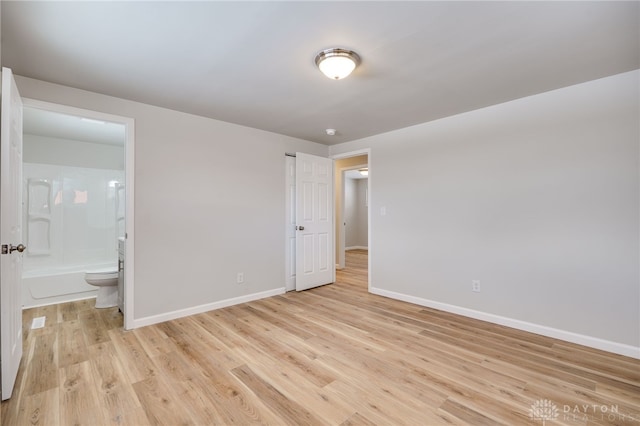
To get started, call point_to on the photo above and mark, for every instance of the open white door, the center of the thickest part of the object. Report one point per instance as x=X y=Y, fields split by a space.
x=314 y=222
x=10 y=232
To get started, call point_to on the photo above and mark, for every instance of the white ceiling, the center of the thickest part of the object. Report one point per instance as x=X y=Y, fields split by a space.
x=251 y=63
x=354 y=174
x=62 y=126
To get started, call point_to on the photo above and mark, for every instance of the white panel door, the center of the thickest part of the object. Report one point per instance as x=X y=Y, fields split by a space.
x=290 y=224
x=10 y=232
x=314 y=221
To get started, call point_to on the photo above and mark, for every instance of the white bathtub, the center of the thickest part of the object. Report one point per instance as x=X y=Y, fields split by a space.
x=58 y=285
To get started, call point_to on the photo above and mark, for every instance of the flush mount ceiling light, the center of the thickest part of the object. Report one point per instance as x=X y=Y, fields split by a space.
x=364 y=172
x=337 y=63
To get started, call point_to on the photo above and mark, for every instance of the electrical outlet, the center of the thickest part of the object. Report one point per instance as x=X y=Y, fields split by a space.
x=475 y=286
x=240 y=278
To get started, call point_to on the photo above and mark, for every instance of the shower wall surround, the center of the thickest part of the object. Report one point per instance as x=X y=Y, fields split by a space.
x=72 y=218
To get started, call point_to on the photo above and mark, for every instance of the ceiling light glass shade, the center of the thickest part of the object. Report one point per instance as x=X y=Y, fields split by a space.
x=364 y=172
x=337 y=63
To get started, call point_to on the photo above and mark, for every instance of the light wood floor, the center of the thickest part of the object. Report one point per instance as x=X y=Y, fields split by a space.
x=333 y=355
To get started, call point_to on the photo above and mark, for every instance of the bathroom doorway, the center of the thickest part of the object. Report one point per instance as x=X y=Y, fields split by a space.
x=78 y=201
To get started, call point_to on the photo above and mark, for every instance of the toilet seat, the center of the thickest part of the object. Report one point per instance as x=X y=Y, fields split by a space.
x=102 y=273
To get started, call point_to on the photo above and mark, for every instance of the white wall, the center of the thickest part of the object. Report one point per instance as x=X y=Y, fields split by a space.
x=63 y=152
x=537 y=198
x=209 y=203
x=362 y=221
x=350 y=212
x=355 y=208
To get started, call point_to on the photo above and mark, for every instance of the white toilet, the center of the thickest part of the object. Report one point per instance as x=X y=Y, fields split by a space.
x=106 y=279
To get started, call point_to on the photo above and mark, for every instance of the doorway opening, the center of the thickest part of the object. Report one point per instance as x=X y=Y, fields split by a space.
x=355 y=273
x=353 y=214
x=79 y=182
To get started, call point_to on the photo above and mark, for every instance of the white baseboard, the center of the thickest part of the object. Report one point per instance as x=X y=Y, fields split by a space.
x=580 y=339
x=357 y=248
x=155 y=319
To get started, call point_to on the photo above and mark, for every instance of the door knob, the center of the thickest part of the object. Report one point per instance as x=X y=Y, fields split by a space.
x=20 y=248
x=300 y=228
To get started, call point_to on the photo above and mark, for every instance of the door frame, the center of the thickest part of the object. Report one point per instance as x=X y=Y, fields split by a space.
x=367 y=152
x=129 y=163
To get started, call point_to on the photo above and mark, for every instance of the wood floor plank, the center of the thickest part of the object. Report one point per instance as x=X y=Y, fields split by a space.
x=161 y=404
x=68 y=311
x=192 y=395
x=519 y=356
x=116 y=395
x=205 y=406
x=111 y=317
x=41 y=409
x=42 y=370
x=319 y=402
x=384 y=406
x=222 y=404
x=72 y=346
x=290 y=411
x=569 y=395
x=93 y=327
x=587 y=362
x=4 y=412
x=337 y=327
x=79 y=403
x=357 y=419
x=153 y=341
x=259 y=311
x=208 y=361
x=630 y=395
x=138 y=366
x=473 y=375
x=270 y=342
x=231 y=399
x=210 y=322
x=467 y=414
x=333 y=355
